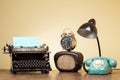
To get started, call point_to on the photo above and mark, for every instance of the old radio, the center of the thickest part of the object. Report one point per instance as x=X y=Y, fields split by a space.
x=68 y=61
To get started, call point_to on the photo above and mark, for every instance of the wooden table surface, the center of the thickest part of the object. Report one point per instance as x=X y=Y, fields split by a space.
x=56 y=75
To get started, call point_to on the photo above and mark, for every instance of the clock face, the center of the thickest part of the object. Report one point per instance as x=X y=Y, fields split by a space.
x=66 y=43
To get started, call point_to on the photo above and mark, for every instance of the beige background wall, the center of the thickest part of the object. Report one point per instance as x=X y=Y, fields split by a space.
x=47 y=19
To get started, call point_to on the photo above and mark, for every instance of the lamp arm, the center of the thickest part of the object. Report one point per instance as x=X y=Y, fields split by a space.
x=99 y=46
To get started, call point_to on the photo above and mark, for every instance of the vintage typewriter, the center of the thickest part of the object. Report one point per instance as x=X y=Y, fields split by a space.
x=27 y=55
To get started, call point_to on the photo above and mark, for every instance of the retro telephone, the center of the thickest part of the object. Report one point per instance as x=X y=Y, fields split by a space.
x=99 y=65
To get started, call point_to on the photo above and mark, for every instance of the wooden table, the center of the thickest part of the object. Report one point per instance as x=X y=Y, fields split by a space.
x=56 y=75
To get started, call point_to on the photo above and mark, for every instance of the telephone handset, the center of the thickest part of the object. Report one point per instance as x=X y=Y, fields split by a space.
x=99 y=65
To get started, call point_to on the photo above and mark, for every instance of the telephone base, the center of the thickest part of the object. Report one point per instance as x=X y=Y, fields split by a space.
x=100 y=72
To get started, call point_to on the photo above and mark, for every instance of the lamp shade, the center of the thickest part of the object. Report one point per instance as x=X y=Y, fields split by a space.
x=88 y=29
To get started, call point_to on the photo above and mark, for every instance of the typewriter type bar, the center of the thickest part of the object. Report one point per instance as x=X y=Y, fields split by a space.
x=27 y=55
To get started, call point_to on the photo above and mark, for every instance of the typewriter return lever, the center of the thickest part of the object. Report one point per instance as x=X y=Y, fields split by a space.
x=7 y=49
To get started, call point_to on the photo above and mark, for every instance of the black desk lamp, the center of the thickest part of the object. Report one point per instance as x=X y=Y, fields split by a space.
x=97 y=65
x=89 y=30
